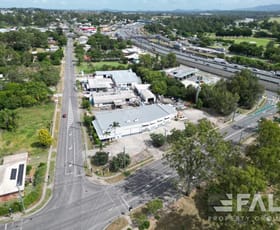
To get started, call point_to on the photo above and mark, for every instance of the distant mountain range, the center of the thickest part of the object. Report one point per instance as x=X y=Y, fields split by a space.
x=261 y=8
x=266 y=8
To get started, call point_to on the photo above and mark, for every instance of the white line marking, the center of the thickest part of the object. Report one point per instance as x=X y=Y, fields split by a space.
x=124 y=201
x=233 y=134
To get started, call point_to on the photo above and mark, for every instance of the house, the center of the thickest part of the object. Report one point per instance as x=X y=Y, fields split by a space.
x=82 y=40
x=132 y=121
x=123 y=79
x=12 y=175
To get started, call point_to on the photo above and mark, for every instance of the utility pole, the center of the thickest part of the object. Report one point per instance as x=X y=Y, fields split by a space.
x=123 y=157
x=197 y=93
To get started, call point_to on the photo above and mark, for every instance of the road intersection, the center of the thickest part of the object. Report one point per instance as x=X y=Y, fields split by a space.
x=76 y=202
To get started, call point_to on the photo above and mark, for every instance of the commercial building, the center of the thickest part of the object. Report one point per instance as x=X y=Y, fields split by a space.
x=12 y=175
x=115 y=98
x=131 y=121
x=181 y=73
x=123 y=79
x=146 y=95
x=99 y=83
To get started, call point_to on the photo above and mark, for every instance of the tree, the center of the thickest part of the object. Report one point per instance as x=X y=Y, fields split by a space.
x=170 y=60
x=45 y=138
x=85 y=103
x=193 y=157
x=266 y=153
x=8 y=119
x=100 y=158
x=159 y=87
x=121 y=161
x=247 y=86
x=158 y=139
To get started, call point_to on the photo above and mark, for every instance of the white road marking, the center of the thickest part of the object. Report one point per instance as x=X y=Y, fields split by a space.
x=124 y=201
x=233 y=134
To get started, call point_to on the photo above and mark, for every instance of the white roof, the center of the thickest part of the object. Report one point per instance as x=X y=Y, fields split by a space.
x=147 y=94
x=100 y=83
x=12 y=173
x=181 y=71
x=130 y=117
x=133 y=49
x=143 y=89
x=106 y=98
x=121 y=76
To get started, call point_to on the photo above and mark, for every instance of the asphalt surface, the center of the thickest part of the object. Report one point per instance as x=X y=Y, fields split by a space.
x=79 y=204
x=269 y=80
x=244 y=128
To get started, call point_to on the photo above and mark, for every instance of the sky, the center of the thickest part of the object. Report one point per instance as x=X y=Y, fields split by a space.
x=137 y=4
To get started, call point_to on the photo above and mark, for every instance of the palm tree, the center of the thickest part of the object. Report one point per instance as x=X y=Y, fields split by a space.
x=114 y=125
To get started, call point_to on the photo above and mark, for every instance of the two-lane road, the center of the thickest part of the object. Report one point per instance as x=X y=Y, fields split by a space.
x=78 y=204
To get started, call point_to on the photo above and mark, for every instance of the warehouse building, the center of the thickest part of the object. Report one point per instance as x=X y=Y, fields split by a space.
x=99 y=83
x=118 y=123
x=146 y=95
x=122 y=79
x=181 y=73
x=115 y=98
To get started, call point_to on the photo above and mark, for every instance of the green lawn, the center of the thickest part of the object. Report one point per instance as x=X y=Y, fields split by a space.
x=96 y=66
x=25 y=137
x=259 y=41
x=276 y=19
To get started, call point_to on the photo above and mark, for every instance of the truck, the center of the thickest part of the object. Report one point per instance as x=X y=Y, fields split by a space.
x=220 y=61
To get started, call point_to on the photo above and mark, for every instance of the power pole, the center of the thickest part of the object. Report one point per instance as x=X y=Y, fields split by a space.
x=197 y=93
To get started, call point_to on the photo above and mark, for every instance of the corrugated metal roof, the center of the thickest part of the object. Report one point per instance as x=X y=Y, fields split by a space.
x=128 y=117
x=121 y=76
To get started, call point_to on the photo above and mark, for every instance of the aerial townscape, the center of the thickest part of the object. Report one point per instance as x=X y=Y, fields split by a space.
x=134 y=115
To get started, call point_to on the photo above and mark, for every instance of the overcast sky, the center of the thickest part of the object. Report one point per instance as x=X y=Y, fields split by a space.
x=137 y=4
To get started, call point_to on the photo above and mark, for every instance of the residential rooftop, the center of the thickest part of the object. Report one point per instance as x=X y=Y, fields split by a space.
x=12 y=173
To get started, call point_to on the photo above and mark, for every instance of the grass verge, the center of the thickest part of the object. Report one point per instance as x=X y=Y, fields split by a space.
x=96 y=66
x=118 y=224
x=24 y=138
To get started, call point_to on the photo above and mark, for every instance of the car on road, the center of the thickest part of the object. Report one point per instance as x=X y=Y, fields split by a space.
x=64 y=115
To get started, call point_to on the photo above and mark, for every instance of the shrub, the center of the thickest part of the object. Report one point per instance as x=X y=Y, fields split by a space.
x=4 y=210
x=154 y=205
x=120 y=161
x=85 y=103
x=144 y=225
x=28 y=169
x=158 y=140
x=100 y=158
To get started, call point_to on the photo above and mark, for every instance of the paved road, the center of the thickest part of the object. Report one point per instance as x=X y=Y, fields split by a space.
x=248 y=125
x=79 y=204
x=269 y=80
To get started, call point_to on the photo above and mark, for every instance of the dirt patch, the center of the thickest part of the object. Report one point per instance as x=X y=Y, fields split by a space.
x=182 y=214
x=118 y=224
